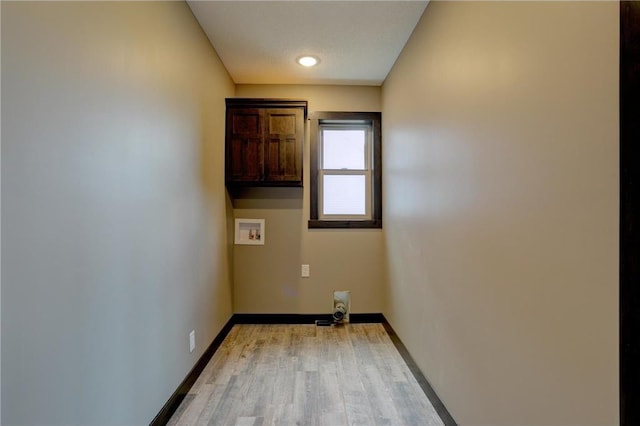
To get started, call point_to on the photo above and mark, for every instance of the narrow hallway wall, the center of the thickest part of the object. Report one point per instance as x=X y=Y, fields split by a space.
x=114 y=211
x=500 y=142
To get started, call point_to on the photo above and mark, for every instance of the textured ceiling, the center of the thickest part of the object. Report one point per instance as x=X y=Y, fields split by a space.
x=357 y=41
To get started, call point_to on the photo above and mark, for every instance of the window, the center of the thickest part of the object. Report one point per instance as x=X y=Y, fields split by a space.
x=346 y=178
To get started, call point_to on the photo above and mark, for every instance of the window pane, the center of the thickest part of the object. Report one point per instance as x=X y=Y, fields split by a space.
x=343 y=149
x=343 y=195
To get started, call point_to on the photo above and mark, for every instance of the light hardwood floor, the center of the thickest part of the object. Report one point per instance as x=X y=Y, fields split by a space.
x=306 y=375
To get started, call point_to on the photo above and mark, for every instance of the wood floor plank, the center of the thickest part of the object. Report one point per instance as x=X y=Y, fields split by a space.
x=212 y=404
x=306 y=375
x=186 y=402
x=197 y=404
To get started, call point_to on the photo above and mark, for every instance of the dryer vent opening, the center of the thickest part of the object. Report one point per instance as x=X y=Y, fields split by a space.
x=341 y=306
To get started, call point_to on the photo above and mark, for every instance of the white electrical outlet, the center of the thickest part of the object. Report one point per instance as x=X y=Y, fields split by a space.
x=305 y=271
x=192 y=341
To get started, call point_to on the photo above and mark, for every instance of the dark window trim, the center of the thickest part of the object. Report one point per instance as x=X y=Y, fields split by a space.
x=375 y=118
x=629 y=213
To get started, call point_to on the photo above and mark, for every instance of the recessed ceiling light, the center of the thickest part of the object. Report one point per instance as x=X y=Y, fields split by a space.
x=308 y=61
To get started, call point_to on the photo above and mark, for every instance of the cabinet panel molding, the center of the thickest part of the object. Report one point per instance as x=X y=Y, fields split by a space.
x=264 y=142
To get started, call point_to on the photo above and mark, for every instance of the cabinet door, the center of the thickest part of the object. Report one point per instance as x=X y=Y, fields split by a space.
x=284 y=137
x=245 y=145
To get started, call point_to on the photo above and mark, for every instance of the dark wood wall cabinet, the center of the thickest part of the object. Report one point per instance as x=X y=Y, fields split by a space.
x=264 y=142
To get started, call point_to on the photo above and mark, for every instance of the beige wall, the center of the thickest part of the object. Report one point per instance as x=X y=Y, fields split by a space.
x=267 y=278
x=114 y=211
x=500 y=211
x=0 y=232
x=500 y=137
